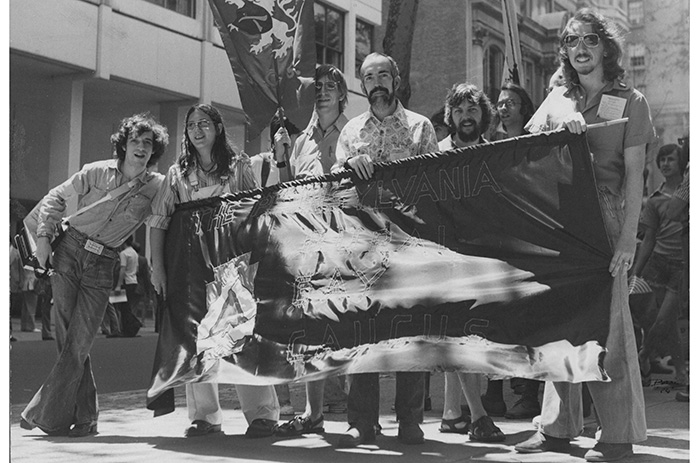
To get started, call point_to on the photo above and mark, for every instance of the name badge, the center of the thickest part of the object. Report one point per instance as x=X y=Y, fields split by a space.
x=93 y=247
x=611 y=107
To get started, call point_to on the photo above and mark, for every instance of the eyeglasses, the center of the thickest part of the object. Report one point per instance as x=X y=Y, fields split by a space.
x=202 y=125
x=589 y=40
x=329 y=85
x=509 y=103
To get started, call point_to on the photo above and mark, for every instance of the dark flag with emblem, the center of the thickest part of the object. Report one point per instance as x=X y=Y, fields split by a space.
x=270 y=44
x=489 y=259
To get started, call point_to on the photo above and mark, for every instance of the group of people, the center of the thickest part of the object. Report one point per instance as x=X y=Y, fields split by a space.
x=591 y=78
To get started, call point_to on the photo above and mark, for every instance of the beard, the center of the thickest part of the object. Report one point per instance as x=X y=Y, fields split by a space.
x=469 y=135
x=383 y=99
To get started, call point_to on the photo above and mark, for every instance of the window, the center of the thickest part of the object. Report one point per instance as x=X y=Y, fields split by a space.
x=364 y=43
x=185 y=7
x=636 y=13
x=329 y=35
x=637 y=52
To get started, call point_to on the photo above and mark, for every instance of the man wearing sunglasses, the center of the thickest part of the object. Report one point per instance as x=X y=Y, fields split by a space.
x=593 y=92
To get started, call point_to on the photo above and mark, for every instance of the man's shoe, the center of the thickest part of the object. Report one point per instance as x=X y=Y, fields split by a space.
x=83 y=430
x=525 y=408
x=261 y=427
x=541 y=442
x=202 y=428
x=609 y=452
x=47 y=338
x=410 y=434
x=355 y=436
x=494 y=407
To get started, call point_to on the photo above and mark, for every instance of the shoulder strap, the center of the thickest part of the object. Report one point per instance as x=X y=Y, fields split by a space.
x=113 y=194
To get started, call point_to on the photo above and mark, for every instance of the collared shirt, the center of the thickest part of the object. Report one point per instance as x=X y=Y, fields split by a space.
x=448 y=143
x=400 y=135
x=257 y=162
x=177 y=187
x=668 y=232
x=314 y=150
x=110 y=222
x=607 y=144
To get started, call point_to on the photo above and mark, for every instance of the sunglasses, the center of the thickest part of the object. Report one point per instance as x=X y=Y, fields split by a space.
x=329 y=85
x=589 y=40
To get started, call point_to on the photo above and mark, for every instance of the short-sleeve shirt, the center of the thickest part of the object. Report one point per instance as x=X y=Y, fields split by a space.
x=129 y=259
x=607 y=144
x=400 y=135
x=314 y=149
x=668 y=232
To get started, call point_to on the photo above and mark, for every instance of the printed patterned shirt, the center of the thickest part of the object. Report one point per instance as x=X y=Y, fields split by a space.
x=401 y=135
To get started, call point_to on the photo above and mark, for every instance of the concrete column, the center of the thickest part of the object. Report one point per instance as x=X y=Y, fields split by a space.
x=104 y=34
x=66 y=129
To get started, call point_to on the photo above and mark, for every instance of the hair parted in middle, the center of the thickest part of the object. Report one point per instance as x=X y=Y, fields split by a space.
x=334 y=75
x=458 y=94
x=222 y=153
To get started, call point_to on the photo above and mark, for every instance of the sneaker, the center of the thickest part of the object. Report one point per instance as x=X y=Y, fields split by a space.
x=541 y=442
x=609 y=452
x=494 y=407
x=525 y=408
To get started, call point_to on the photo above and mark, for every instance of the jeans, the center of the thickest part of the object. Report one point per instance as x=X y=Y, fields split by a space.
x=619 y=403
x=363 y=399
x=257 y=402
x=81 y=284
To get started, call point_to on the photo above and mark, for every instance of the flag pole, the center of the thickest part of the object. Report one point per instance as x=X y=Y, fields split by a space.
x=280 y=116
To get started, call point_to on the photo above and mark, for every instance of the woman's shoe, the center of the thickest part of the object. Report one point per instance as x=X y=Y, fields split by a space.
x=300 y=425
x=456 y=426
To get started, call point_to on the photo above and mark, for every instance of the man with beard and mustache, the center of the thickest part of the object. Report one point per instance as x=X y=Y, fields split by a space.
x=593 y=92
x=468 y=114
x=386 y=132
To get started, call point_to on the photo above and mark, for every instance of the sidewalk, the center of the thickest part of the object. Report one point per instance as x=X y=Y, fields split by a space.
x=129 y=433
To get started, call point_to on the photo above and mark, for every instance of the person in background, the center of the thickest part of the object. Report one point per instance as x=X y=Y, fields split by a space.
x=129 y=267
x=660 y=263
x=386 y=132
x=29 y=299
x=442 y=130
x=207 y=166
x=590 y=51
x=44 y=294
x=84 y=262
x=16 y=271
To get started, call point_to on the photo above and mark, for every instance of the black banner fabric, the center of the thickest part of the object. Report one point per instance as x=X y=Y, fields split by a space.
x=487 y=259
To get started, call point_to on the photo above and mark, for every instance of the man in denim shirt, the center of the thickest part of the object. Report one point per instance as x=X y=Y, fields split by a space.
x=84 y=263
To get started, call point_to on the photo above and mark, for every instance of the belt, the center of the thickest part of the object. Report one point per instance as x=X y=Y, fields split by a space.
x=92 y=246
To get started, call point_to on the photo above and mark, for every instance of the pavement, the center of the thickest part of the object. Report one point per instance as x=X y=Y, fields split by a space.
x=129 y=433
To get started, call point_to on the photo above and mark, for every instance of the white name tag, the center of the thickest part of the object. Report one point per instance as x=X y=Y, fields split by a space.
x=611 y=107
x=95 y=248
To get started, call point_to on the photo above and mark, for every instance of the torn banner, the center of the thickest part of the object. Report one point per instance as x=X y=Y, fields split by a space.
x=489 y=259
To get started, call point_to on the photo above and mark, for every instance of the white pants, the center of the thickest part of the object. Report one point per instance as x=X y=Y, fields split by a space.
x=256 y=402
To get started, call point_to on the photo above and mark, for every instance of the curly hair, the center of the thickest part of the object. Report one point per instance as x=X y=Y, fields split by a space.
x=222 y=153
x=136 y=126
x=609 y=34
x=468 y=92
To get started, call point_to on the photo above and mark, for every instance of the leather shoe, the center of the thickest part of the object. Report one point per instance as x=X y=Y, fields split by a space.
x=410 y=434
x=541 y=442
x=355 y=436
x=494 y=407
x=83 y=430
x=202 y=428
x=609 y=452
x=261 y=427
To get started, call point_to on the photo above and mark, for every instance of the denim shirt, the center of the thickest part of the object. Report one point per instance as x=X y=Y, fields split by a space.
x=110 y=222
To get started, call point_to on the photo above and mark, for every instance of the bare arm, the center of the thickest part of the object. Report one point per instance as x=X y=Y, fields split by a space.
x=158 y=277
x=626 y=243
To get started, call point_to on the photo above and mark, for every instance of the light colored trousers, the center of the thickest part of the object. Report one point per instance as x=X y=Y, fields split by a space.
x=619 y=404
x=256 y=402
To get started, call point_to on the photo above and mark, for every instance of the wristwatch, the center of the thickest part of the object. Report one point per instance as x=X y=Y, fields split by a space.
x=281 y=164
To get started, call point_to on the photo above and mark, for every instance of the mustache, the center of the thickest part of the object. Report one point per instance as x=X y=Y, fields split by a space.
x=378 y=89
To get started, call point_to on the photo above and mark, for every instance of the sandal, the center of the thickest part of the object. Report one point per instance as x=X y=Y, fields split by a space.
x=457 y=426
x=261 y=427
x=300 y=425
x=484 y=430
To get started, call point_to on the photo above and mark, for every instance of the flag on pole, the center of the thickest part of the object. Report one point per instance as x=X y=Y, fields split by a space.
x=270 y=44
x=513 y=64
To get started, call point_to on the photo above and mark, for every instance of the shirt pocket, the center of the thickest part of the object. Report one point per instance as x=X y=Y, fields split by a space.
x=137 y=208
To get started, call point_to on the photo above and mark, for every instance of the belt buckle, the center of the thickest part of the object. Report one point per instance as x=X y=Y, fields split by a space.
x=94 y=247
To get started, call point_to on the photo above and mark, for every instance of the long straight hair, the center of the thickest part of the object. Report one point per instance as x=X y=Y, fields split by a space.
x=222 y=152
